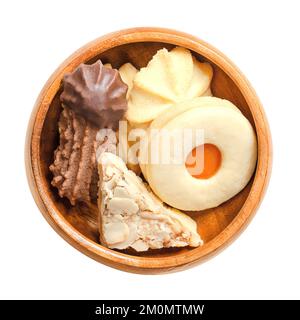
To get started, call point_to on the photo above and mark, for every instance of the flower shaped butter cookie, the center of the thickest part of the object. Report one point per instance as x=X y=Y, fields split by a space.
x=170 y=77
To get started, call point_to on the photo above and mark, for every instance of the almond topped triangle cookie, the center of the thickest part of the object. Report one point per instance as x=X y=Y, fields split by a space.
x=131 y=216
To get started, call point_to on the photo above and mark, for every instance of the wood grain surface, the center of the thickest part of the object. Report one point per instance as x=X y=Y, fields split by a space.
x=78 y=225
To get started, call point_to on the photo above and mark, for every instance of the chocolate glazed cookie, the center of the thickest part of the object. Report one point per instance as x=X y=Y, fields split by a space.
x=94 y=98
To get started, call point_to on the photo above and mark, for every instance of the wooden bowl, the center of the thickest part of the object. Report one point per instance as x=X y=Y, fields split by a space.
x=77 y=225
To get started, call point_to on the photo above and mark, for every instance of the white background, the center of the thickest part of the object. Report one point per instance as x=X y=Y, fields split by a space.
x=261 y=37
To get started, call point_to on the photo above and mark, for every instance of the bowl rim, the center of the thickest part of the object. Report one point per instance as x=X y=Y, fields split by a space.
x=120 y=260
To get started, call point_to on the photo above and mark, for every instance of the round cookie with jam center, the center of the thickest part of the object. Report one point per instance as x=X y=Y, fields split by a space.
x=232 y=134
